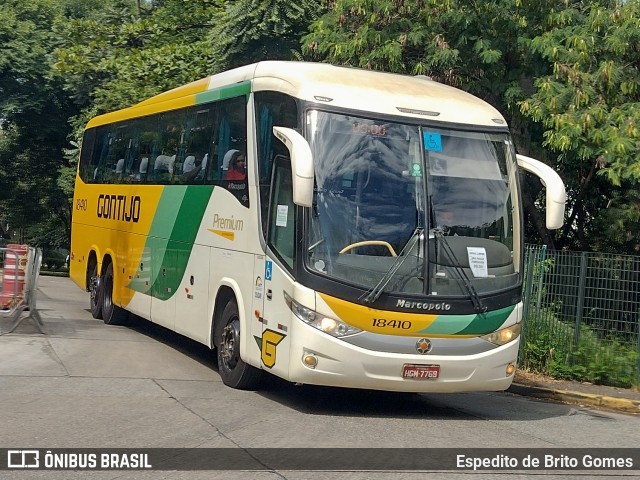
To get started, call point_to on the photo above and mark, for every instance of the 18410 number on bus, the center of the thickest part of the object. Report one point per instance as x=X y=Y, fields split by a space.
x=385 y=323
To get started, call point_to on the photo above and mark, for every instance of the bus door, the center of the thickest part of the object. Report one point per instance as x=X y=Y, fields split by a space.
x=276 y=315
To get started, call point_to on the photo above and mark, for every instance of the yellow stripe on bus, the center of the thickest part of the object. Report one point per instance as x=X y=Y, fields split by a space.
x=379 y=321
x=103 y=219
x=223 y=233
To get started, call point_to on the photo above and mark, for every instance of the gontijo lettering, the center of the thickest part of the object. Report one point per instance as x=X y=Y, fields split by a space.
x=119 y=207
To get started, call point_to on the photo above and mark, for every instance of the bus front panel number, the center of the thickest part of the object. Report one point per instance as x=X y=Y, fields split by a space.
x=392 y=324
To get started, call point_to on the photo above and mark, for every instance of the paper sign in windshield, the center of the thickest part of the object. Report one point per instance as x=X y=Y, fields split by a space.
x=478 y=261
x=281 y=218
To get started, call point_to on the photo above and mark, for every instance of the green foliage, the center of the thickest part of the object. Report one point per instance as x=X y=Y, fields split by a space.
x=589 y=106
x=459 y=42
x=123 y=54
x=252 y=30
x=53 y=259
x=33 y=109
x=549 y=349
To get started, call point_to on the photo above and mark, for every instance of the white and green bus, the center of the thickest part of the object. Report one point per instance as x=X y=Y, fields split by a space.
x=328 y=225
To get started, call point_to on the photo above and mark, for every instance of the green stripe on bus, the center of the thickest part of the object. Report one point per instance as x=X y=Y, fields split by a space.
x=162 y=227
x=174 y=228
x=487 y=322
x=190 y=216
x=231 y=91
x=480 y=324
x=179 y=245
x=448 y=324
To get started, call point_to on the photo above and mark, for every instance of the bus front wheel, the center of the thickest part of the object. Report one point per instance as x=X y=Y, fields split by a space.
x=111 y=313
x=95 y=293
x=235 y=373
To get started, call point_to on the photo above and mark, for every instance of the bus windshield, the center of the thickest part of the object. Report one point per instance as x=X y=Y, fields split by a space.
x=389 y=196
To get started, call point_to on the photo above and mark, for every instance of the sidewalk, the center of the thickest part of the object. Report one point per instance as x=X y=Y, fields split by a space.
x=63 y=308
x=626 y=400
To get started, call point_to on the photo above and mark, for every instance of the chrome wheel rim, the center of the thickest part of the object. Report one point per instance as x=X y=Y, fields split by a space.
x=230 y=344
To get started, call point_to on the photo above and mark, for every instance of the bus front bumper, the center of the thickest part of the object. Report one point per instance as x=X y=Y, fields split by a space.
x=344 y=365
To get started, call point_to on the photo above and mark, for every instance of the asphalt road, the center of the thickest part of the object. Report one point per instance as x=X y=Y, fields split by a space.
x=88 y=385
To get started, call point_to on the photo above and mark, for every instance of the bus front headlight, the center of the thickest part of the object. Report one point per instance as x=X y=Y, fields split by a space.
x=505 y=335
x=325 y=324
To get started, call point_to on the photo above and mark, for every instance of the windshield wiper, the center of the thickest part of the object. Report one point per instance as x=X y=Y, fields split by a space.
x=374 y=293
x=462 y=275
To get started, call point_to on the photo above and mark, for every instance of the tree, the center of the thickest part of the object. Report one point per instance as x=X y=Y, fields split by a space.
x=130 y=51
x=589 y=107
x=32 y=104
x=254 y=30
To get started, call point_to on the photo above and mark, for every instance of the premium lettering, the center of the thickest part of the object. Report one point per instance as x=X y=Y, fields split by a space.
x=119 y=207
x=227 y=223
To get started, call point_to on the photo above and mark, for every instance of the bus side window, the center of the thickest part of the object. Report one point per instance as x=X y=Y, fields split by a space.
x=88 y=159
x=230 y=136
x=97 y=171
x=139 y=169
x=197 y=141
x=148 y=146
x=132 y=158
x=271 y=108
x=281 y=236
x=111 y=167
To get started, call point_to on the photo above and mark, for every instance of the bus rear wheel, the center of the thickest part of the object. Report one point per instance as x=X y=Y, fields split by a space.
x=111 y=313
x=235 y=373
x=95 y=293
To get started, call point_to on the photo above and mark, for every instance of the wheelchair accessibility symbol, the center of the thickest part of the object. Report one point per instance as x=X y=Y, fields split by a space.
x=268 y=267
x=432 y=141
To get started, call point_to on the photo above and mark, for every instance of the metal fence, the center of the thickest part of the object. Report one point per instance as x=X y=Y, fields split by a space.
x=582 y=315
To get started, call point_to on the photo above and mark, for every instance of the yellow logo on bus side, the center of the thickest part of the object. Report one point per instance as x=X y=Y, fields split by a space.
x=226 y=226
x=268 y=343
x=223 y=233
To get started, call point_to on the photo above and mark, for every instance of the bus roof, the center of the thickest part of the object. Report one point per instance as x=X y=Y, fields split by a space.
x=334 y=86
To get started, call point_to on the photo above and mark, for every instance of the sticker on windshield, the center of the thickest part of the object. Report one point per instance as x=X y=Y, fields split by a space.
x=416 y=170
x=478 y=261
x=432 y=141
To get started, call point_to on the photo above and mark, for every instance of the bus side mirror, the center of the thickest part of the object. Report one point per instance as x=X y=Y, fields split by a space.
x=556 y=195
x=301 y=165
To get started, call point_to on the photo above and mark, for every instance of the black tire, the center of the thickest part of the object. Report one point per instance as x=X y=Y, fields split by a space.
x=111 y=314
x=235 y=373
x=95 y=293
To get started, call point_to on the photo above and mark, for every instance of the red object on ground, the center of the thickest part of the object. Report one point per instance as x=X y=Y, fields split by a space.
x=15 y=266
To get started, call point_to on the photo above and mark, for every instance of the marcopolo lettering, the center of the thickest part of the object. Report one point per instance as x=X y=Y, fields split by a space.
x=423 y=305
x=119 y=207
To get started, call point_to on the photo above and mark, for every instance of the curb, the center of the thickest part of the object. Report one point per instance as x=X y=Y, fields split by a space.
x=610 y=403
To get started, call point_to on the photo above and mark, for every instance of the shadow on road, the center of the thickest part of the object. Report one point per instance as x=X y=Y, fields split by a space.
x=333 y=401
